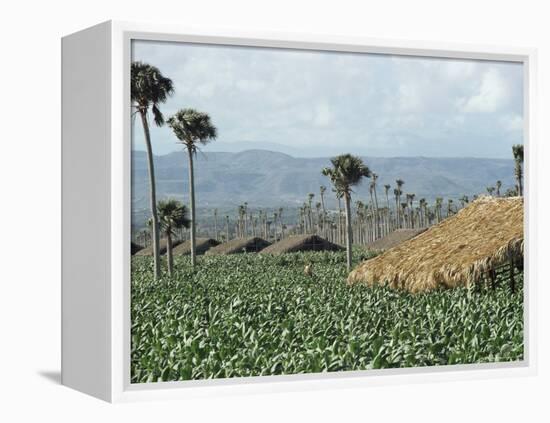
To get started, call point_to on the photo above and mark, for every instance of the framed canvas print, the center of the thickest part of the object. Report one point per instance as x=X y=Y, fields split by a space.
x=259 y=212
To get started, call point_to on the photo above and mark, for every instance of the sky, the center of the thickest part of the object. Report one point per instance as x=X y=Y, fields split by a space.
x=320 y=104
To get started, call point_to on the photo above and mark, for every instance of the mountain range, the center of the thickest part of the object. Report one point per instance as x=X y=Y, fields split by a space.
x=271 y=179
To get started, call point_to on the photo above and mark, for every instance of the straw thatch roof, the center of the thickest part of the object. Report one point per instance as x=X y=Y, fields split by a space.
x=393 y=239
x=240 y=245
x=134 y=248
x=148 y=251
x=457 y=252
x=301 y=243
x=201 y=246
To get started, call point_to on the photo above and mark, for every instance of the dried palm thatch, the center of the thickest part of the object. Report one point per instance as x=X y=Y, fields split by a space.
x=148 y=251
x=457 y=252
x=239 y=245
x=394 y=239
x=301 y=243
x=201 y=246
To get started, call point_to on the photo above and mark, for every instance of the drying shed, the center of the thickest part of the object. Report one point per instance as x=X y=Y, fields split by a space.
x=459 y=251
x=134 y=248
x=393 y=239
x=240 y=245
x=301 y=243
x=202 y=245
x=148 y=251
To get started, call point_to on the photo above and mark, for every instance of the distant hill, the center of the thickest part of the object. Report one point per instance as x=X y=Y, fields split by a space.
x=269 y=179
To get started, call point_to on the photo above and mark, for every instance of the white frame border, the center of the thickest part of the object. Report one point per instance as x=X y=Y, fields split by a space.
x=121 y=390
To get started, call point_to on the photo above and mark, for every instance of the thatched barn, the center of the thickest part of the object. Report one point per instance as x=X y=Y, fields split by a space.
x=148 y=251
x=460 y=251
x=301 y=243
x=239 y=245
x=393 y=239
x=134 y=248
x=202 y=245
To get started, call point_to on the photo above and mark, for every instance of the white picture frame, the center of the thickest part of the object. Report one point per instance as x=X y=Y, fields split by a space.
x=96 y=190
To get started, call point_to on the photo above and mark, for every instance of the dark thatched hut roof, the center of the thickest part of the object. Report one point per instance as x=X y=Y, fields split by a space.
x=201 y=246
x=393 y=239
x=301 y=243
x=134 y=248
x=239 y=245
x=148 y=251
x=459 y=251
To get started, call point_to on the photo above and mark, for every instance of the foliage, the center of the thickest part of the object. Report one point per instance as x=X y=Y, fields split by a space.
x=192 y=127
x=346 y=171
x=172 y=215
x=149 y=88
x=250 y=315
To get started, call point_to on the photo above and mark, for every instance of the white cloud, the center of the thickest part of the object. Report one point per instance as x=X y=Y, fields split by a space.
x=323 y=115
x=491 y=96
x=409 y=97
x=512 y=122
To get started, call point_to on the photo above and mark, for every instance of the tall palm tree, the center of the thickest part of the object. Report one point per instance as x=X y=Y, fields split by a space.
x=464 y=200
x=422 y=204
x=411 y=200
x=192 y=128
x=438 y=207
x=498 y=185
x=399 y=183
x=172 y=216
x=346 y=172
x=374 y=177
x=322 y=190
x=517 y=150
x=149 y=88
x=216 y=224
x=490 y=190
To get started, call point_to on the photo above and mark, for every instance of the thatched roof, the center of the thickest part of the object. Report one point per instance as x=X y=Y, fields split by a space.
x=148 y=251
x=240 y=245
x=458 y=251
x=301 y=243
x=201 y=246
x=134 y=248
x=393 y=239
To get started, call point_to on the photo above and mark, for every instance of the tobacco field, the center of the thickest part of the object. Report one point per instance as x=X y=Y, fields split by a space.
x=256 y=315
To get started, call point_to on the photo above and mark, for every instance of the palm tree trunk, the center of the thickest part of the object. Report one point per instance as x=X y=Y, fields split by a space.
x=216 y=224
x=192 y=199
x=347 y=206
x=169 y=254
x=153 y=195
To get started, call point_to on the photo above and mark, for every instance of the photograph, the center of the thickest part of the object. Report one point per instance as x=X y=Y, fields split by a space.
x=300 y=211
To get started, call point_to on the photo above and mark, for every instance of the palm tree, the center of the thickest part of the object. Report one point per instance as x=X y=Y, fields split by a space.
x=322 y=190
x=449 y=207
x=410 y=199
x=517 y=150
x=422 y=204
x=216 y=224
x=148 y=89
x=438 y=207
x=464 y=200
x=346 y=172
x=490 y=190
x=172 y=216
x=498 y=185
x=399 y=183
x=191 y=129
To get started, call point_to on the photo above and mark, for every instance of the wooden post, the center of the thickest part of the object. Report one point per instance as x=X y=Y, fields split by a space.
x=512 y=280
x=493 y=277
